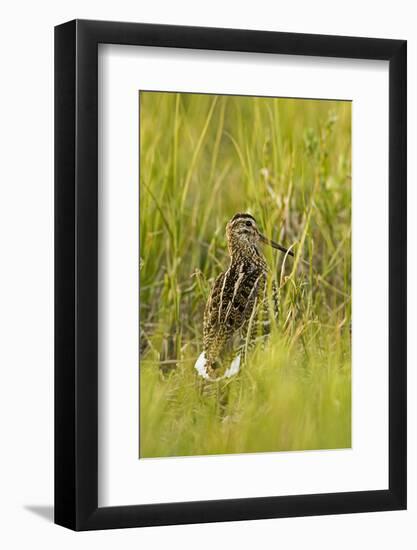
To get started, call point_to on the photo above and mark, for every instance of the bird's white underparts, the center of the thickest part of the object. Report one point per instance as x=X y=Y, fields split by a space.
x=201 y=367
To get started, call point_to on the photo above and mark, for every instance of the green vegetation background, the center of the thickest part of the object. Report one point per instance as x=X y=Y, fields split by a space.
x=288 y=162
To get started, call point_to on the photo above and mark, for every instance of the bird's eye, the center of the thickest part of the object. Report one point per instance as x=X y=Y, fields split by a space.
x=248 y=224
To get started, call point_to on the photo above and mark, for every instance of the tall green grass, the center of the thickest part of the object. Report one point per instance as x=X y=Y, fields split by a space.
x=288 y=162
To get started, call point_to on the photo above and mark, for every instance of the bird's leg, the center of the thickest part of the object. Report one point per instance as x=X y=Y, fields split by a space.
x=222 y=399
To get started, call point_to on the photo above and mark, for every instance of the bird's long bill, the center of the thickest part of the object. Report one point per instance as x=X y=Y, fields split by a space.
x=275 y=245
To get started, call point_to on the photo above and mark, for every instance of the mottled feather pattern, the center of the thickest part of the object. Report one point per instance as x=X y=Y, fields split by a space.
x=237 y=310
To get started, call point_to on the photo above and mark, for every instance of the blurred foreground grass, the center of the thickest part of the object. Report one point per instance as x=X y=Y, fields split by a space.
x=288 y=162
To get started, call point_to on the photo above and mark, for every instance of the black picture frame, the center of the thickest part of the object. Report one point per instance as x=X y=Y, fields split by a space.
x=76 y=272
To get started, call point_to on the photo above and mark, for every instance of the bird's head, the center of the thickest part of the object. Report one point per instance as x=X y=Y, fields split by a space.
x=243 y=234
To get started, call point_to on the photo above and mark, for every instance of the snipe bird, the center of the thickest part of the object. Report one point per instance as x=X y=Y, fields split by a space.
x=237 y=299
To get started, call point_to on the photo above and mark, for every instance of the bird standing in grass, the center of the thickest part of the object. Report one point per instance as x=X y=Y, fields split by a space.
x=237 y=303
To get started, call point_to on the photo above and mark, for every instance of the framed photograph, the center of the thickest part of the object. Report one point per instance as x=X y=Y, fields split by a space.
x=230 y=284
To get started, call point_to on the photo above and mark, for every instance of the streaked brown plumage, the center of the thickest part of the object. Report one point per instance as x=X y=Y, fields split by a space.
x=237 y=301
